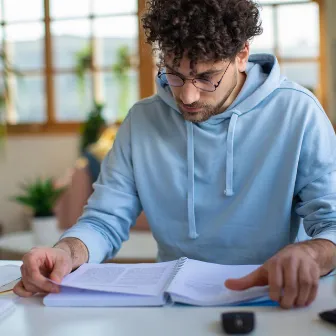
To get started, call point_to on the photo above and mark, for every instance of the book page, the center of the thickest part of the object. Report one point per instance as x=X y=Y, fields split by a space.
x=9 y=273
x=203 y=283
x=142 y=279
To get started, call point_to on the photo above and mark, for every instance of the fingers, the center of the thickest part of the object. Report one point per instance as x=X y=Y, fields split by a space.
x=31 y=274
x=290 y=275
x=293 y=283
x=61 y=268
x=301 y=284
x=305 y=285
x=27 y=285
x=257 y=278
x=315 y=274
x=20 y=290
x=276 y=281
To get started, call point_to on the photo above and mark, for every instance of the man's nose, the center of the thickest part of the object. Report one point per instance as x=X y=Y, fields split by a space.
x=189 y=93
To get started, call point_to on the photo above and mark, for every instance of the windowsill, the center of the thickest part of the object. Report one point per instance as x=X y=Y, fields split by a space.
x=43 y=129
x=51 y=129
x=46 y=129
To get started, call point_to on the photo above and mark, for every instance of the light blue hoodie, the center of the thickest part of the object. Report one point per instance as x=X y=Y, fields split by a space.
x=230 y=190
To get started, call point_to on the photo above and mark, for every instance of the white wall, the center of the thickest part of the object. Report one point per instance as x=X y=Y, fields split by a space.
x=26 y=158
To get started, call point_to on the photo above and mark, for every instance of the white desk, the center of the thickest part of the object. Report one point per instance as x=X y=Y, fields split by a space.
x=31 y=318
x=140 y=247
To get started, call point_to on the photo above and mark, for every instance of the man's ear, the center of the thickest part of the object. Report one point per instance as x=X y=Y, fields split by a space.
x=242 y=57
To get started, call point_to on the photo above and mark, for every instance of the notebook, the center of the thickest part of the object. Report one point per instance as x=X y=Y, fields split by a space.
x=8 y=274
x=184 y=281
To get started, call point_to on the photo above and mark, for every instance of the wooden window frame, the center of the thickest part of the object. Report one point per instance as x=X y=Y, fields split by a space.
x=146 y=87
x=146 y=66
x=321 y=59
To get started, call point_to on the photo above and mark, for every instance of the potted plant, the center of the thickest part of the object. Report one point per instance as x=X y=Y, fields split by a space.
x=92 y=127
x=40 y=197
x=84 y=59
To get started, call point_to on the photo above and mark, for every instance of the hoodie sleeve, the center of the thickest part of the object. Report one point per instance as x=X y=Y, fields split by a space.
x=114 y=205
x=316 y=178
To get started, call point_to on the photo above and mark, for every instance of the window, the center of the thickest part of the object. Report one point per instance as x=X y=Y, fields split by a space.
x=292 y=33
x=68 y=55
x=48 y=40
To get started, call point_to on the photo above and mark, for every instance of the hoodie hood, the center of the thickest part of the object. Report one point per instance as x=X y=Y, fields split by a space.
x=263 y=77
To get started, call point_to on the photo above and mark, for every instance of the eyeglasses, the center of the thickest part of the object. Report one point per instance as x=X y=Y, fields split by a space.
x=177 y=81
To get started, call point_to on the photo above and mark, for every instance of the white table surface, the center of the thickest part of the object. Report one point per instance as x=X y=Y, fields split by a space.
x=31 y=318
x=141 y=245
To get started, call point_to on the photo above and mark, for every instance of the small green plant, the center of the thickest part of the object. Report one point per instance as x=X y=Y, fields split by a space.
x=40 y=196
x=121 y=70
x=93 y=126
x=83 y=64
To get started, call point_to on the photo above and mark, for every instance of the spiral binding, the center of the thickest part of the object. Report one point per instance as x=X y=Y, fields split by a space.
x=179 y=264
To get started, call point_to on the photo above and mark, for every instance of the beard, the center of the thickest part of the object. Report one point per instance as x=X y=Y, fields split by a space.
x=206 y=110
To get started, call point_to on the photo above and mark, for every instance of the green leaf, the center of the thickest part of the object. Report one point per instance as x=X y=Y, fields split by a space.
x=40 y=195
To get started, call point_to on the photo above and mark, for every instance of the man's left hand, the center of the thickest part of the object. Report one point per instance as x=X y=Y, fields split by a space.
x=292 y=275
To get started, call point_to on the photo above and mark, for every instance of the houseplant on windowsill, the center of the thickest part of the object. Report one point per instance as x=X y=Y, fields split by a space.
x=121 y=71
x=40 y=197
x=93 y=127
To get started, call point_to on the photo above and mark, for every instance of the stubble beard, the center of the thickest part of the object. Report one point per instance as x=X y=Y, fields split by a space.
x=207 y=111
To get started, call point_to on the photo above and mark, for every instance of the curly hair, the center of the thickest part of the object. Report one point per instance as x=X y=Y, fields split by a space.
x=208 y=30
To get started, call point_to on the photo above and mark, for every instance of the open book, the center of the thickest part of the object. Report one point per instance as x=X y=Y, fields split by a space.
x=9 y=276
x=185 y=281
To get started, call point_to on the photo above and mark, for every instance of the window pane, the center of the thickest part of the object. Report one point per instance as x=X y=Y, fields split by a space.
x=306 y=74
x=103 y=7
x=21 y=10
x=72 y=103
x=119 y=95
x=265 y=42
x=69 y=8
x=69 y=38
x=299 y=30
x=111 y=34
x=26 y=45
x=1 y=13
x=29 y=96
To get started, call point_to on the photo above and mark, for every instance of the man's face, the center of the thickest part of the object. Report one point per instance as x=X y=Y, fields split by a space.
x=197 y=105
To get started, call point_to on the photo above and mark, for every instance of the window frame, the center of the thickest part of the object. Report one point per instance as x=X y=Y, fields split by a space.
x=52 y=126
x=321 y=59
x=146 y=66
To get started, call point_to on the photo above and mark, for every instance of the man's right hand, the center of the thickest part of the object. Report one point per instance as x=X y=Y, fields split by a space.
x=39 y=265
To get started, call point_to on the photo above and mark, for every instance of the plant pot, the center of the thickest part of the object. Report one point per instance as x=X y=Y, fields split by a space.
x=46 y=231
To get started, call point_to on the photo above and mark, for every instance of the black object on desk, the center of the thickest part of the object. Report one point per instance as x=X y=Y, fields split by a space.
x=238 y=322
x=329 y=316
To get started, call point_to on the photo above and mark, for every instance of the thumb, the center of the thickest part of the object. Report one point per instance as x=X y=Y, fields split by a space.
x=257 y=278
x=59 y=271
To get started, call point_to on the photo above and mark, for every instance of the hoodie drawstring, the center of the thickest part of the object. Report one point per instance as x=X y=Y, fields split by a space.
x=229 y=155
x=191 y=183
x=191 y=170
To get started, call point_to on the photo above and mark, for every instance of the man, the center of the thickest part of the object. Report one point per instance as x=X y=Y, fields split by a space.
x=225 y=161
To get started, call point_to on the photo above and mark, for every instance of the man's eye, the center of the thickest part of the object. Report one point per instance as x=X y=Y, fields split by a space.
x=203 y=78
